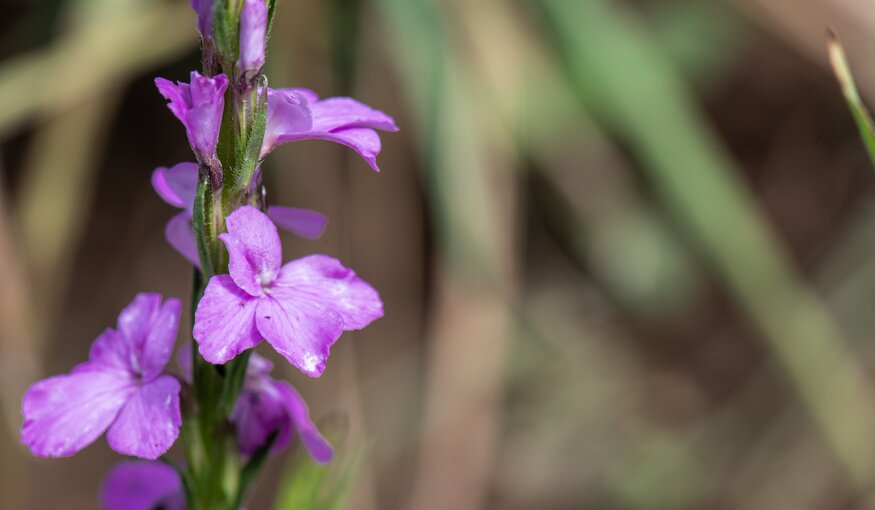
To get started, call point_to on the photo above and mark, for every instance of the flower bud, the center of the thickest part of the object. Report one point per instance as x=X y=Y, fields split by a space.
x=253 y=31
x=198 y=105
x=204 y=10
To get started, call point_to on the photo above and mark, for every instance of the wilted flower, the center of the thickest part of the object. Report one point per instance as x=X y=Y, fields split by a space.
x=298 y=114
x=300 y=308
x=120 y=389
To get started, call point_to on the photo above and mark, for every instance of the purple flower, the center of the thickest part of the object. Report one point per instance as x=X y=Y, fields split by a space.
x=177 y=185
x=198 y=105
x=266 y=406
x=204 y=10
x=139 y=485
x=298 y=114
x=253 y=31
x=120 y=389
x=300 y=308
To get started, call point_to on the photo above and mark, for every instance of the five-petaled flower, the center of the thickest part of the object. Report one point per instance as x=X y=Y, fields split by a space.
x=300 y=308
x=199 y=106
x=121 y=388
x=299 y=114
x=267 y=406
x=177 y=185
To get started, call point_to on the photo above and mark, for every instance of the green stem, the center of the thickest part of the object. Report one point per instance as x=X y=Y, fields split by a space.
x=250 y=471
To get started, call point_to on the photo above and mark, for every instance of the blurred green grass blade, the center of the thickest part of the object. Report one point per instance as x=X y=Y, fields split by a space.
x=311 y=486
x=619 y=72
x=472 y=187
x=861 y=114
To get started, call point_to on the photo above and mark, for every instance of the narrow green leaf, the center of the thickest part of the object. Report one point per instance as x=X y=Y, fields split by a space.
x=250 y=471
x=311 y=486
x=341 y=492
x=225 y=31
x=861 y=114
x=300 y=490
x=271 y=10
x=235 y=374
x=204 y=228
x=188 y=484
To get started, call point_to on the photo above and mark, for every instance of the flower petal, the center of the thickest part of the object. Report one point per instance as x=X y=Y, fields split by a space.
x=148 y=424
x=297 y=114
x=364 y=141
x=158 y=348
x=320 y=450
x=288 y=111
x=344 y=112
x=112 y=351
x=224 y=323
x=137 y=485
x=177 y=94
x=177 y=185
x=301 y=222
x=179 y=234
x=199 y=106
x=324 y=280
x=258 y=366
x=66 y=413
x=299 y=328
x=257 y=414
x=148 y=329
x=135 y=320
x=185 y=362
x=254 y=249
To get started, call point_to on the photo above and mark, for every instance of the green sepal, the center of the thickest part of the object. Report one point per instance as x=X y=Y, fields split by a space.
x=204 y=227
x=225 y=21
x=227 y=146
x=311 y=486
x=251 y=469
x=271 y=10
x=849 y=88
x=249 y=149
x=188 y=484
x=235 y=375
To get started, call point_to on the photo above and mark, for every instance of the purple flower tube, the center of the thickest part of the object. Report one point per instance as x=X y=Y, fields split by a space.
x=199 y=106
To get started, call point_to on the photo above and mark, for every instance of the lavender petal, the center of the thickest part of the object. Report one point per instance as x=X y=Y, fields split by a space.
x=224 y=323
x=254 y=249
x=138 y=485
x=301 y=222
x=148 y=424
x=66 y=413
x=179 y=233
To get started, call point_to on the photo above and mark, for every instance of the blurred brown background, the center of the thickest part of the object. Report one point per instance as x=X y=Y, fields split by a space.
x=625 y=247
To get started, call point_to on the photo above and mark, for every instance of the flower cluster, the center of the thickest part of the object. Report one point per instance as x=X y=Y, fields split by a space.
x=230 y=405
